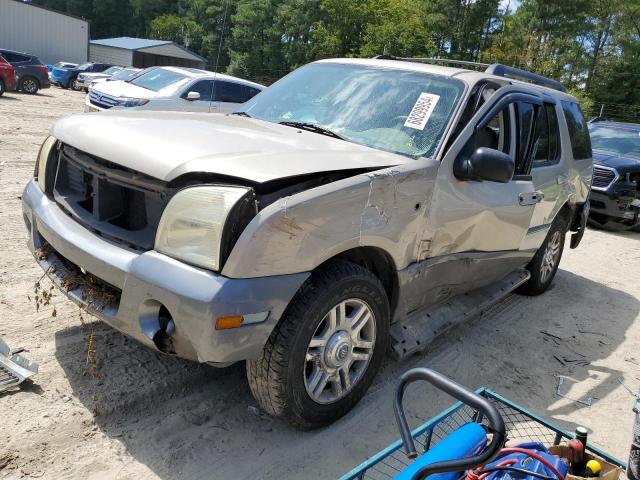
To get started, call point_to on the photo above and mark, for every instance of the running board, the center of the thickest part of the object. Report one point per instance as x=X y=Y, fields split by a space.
x=414 y=334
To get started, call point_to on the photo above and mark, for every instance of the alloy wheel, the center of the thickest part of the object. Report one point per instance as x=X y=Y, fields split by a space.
x=30 y=86
x=551 y=257
x=339 y=351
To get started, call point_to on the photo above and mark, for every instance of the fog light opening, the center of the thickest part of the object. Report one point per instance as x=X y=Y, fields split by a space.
x=167 y=327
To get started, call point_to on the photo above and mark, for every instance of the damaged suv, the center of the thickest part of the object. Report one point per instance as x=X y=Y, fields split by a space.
x=354 y=207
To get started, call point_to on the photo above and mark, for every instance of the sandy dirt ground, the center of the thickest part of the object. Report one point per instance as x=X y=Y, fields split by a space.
x=151 y=416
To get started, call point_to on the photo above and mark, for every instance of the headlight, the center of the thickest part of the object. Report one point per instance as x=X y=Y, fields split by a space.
x=41 y=162
x=191 y=228
x=132 y=102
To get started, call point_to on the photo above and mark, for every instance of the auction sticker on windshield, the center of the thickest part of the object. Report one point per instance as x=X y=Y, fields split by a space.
x=422 y=110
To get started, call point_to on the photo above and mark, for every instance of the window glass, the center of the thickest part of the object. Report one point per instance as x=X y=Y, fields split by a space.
x=554 y=134
x=616 y=139
x=204 y=88
x=229 y=92
x=578 y=131
x=251 y=92
x=392 y=109
x=496 y=134
x=526 y=112
x=157 y=79
x=14 y=57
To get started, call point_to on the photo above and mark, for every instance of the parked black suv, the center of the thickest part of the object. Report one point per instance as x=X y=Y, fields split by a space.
x=32 y=74
x=615 y=189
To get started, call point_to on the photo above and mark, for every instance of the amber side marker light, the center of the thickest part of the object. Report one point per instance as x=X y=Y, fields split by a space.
x=236 y=321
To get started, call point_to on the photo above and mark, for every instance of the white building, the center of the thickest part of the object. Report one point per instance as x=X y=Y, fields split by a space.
x=50 y=35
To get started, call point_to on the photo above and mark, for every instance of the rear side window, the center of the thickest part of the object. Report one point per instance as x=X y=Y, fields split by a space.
x=578 y=131
x=251 y=92
x=229 y=92
x=547 y=147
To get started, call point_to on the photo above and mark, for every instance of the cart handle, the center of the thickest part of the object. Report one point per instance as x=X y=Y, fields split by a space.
x=466 y=396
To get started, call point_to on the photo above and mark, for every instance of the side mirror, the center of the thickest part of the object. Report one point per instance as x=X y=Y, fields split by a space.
x=485 y=164
x=192 y=96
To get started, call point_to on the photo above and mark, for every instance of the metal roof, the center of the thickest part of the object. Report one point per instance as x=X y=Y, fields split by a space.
x=130 y=43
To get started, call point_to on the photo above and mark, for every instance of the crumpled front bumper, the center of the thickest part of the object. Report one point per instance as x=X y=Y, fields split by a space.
x=145 y=282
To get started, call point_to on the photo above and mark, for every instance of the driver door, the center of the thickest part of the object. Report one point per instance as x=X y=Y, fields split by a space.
x=477 y=227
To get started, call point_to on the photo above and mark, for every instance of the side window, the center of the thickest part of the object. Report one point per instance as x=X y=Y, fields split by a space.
x=229 y=92
x=496 y=134
x=578 y=131
x=204 y=88
x=251 y=92
x=547 y=146
x=10 y=57
x=525 y=116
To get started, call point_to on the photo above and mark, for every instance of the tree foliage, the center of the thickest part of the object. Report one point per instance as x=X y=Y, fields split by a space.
x=593 y=46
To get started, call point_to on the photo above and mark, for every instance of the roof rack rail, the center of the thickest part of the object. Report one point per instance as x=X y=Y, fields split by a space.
x=446 y=61
x=497 y=69
x=518 y=74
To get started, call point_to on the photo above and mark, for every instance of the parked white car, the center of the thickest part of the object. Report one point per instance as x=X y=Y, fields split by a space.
x=174 y=89
x=125 y=74
x=85 y=78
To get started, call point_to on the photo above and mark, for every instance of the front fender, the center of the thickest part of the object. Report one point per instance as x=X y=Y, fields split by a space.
x=384 y=209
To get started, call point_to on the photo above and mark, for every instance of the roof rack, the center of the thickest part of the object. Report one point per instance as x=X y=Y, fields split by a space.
x=497 y=69
x=518 y=74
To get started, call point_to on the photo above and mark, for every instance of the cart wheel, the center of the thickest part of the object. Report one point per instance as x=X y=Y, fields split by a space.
x=544 y=265
x=326 y=349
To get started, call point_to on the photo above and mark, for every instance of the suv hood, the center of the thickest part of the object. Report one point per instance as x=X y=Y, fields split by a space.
x=166 y=145
x=120 y=88
x=621 y=163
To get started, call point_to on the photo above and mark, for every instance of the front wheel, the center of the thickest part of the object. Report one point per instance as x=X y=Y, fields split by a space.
x=544 y=265
x=2 y=87
x=76 y=85
x=29 y=85
x=324 y=353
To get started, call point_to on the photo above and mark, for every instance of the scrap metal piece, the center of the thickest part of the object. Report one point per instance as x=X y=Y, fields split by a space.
x=14 y=368
x=561 y=381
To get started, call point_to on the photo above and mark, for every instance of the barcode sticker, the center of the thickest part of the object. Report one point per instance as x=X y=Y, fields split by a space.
x=422 y=110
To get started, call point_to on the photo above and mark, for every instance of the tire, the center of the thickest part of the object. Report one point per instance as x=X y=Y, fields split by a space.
x=283 y=378
x=29 y=85
x=544 y=265
x=2 y=87
x=75 y=85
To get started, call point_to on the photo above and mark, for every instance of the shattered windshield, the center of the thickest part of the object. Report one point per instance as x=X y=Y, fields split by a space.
x=401 y=111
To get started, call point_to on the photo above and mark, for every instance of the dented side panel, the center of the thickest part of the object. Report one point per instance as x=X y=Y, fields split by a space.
x=384 y=209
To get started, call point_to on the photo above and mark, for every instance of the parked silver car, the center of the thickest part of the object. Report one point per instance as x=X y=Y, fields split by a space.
x=85 y=78
x=174 y=89
x=352 y=207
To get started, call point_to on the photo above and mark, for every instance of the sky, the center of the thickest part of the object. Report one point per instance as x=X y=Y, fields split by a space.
x=513 y=4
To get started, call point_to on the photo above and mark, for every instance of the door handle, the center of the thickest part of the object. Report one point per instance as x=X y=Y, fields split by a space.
x=531 y=198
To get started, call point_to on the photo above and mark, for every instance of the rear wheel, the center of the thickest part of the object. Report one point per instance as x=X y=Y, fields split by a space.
x=324 y=353
x=544 y=265
x=29 y=85
x=2 y=87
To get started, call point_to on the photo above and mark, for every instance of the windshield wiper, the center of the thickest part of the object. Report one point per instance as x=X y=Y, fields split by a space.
x=311 y=127
x=241 y=114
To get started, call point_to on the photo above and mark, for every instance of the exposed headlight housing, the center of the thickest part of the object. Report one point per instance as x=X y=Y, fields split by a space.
x=41 y=162
x=132 y=102
x=192 y=227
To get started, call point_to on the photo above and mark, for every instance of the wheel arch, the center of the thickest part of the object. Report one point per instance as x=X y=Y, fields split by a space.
x=26 y=77
x=379 y=262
